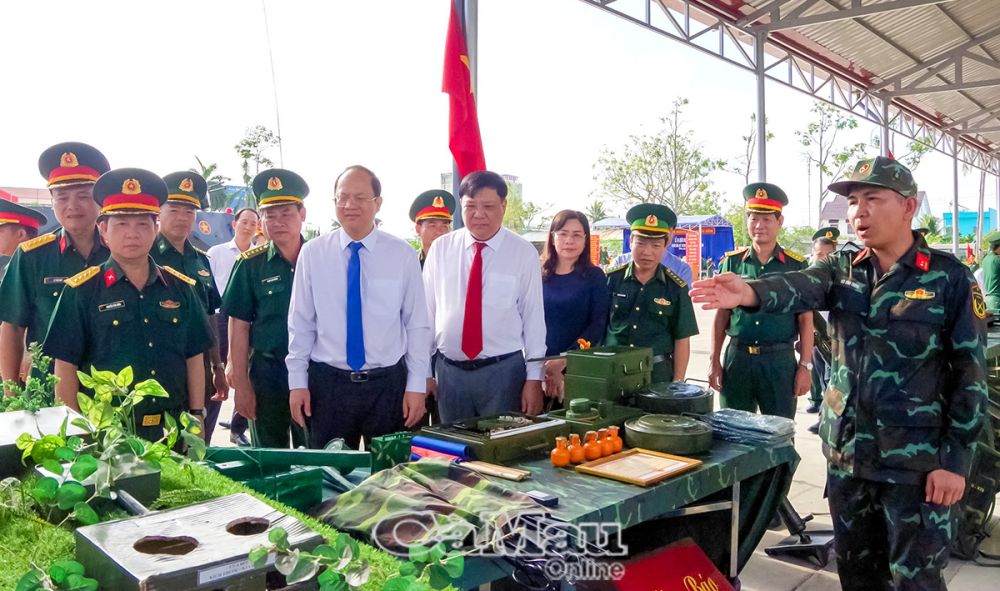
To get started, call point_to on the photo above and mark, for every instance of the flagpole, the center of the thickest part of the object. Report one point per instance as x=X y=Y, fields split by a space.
x=468 y=15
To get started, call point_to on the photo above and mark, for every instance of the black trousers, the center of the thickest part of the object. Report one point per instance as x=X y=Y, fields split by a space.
x=351 y=410
x=237 y=424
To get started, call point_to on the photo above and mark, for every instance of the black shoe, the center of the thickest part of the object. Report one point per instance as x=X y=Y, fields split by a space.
x=224 y=424
x=814 y=429
x=239 y=439
x=813 y=408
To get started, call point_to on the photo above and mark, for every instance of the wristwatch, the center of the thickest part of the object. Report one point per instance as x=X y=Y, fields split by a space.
x=218 y=365
x=807 y=365
x=198 y=412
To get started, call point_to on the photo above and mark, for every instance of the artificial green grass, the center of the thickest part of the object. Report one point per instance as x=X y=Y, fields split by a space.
x=26 y=539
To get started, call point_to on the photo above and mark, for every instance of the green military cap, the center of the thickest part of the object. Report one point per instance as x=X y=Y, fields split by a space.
x=992 y=238
x=72 y=163
x=651 y=220
x=130 y=191
x=188 y=188
x=277 y=186
x=828 y=232
x=764 y=197
x=432 y=204
x=12 y=213
x=878 y=172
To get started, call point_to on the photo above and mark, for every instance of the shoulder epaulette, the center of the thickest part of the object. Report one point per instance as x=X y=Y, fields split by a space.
x=83 y=276
x=794 y=255
x=252 y=252
x=737 y=251
x=611 y=270
x=676 y=278
x=199 y=251
x=29 y=245
x=179 y=275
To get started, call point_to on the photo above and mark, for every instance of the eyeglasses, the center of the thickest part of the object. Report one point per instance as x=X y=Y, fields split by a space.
x=359 y=199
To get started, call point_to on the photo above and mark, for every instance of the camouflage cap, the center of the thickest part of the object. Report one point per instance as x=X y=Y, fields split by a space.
x=878 y=172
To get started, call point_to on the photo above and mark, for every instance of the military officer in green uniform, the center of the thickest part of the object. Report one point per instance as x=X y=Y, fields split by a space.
x=17 y=224
x=256 y=302
x=760 y=369
x=35 y=275
x=129 y=311
x=991 y=271
x=650 y=306
x=824 y=243
x=187 y=193
x=431 y=215
x=908 y=384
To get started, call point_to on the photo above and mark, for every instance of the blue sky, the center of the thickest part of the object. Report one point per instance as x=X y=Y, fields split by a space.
x=154 y=84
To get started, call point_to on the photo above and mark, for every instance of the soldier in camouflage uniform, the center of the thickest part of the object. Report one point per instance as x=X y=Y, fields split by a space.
x=906 y=394
x=991 y=271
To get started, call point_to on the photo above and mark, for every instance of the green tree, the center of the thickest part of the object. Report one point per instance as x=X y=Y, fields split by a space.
x=667 y=167
x=252 y=150
x=595 y=211
x=218 y=197
x=825 y=156
x=521 y=215
x=736 y=214
x=797 y=238
x=933 y=225
x=745 y=160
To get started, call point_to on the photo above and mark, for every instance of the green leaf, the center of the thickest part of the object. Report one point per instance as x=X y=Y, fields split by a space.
x=57 y=574
x=136 y=445
x=125 y=377
x=30 y=581
x=279 y=537
x=103 y=377
x=455 y=566
x=196 y=445
x=398 y=584
x=85 y=514
x=53 y=466
x=65 y=454
x=70 y=567
x=84 y=466
x=151 y=388
x=74 y=443
x=45 y=448
x=438 y=552
x=357 y=575
x=304 y=569
x=69 y=494
x=407 y=569
x=258 y=556
x=44 y=490
x=325 y=551
x=87 y=382
x=419 y=554
x=331 y=580
x=83 y=424
x=24 y=441
x=439 y=578
x=80 y=583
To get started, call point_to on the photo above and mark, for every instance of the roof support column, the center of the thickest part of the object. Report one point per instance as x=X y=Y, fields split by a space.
x=954 y=198
x=996 y=222
x=886 y=133
x=758 y=49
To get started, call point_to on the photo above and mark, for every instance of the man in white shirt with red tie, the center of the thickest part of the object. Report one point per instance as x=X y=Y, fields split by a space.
x=484 y=296
x=359 y=339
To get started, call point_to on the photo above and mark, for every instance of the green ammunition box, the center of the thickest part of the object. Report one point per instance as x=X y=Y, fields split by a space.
x=585 y=415
x=608 y=373
x=389 y=450
x=300 y=487
x=501 y=439
x=670 y=434
x=675 y=398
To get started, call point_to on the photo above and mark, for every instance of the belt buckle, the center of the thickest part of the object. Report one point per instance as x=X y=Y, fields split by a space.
x=753 y=349
x=359 y=376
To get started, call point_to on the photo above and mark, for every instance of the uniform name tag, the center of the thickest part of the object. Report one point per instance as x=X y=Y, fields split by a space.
x=150 y=420
x=855 y=285
x=111 y=306
x=621 y=295
x=271 y=279
x=53 y=280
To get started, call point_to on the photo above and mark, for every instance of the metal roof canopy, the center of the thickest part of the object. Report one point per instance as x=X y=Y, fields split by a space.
x=927 y=70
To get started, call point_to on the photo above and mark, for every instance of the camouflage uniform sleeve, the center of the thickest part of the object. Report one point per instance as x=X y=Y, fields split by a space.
x=199 y=337
x=685 y=324
x=796 y=291
x=68 y=322
x=238 y=299
x=15 y=295
x=965 y=394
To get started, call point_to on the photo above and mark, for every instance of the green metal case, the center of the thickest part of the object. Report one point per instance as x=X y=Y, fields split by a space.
x=608 y=373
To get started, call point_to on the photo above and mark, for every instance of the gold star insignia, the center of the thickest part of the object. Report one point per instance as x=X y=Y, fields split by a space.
x=274 y=184
x=131 y=187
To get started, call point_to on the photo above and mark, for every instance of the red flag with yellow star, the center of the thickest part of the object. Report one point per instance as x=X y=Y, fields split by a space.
x=463 y=123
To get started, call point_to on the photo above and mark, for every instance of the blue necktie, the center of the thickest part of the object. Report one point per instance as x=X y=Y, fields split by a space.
x=355 y=328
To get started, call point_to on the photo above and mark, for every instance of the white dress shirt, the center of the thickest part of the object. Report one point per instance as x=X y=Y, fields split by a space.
x=513 y=311
x=393 y=309
x=222 y=259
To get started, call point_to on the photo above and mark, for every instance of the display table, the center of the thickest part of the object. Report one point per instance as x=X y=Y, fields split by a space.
x=743 y=481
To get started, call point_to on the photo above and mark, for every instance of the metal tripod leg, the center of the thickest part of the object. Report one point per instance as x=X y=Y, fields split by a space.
x=802 y=544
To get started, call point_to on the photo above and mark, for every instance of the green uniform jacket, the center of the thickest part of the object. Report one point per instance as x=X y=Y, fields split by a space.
x=193 y=263
x=908 y=380
x=654 y=315
x=259 y=292
x=991 y=280
x=35 y=276
x=754 y=328
x=103 y=321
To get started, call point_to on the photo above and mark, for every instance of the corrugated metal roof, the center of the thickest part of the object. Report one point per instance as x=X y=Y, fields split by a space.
x=883 y=45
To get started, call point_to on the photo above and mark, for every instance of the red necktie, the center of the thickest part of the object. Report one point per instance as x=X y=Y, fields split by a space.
x=472 y=328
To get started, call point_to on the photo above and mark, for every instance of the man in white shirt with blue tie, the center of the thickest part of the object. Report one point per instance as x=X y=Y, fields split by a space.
x=359 y=336
x=484 y=295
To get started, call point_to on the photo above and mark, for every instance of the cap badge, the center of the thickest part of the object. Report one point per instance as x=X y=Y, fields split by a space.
x=865 y=168
x=760 y=194
x=68 y=160
x=274 y=184
x=829 y=234
x=131 y=187
x=186 y=185
x=651 y=220
x=438 y=201
x=919 y=294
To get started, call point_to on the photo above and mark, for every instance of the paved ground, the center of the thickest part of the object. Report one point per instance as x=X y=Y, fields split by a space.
x=764 y=573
